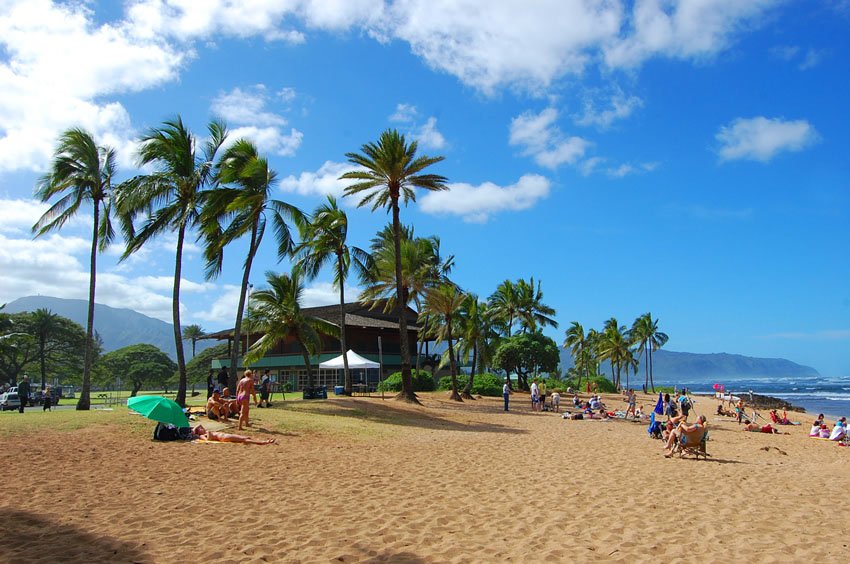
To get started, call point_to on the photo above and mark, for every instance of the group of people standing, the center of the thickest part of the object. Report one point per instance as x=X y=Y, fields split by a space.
x=220 y=406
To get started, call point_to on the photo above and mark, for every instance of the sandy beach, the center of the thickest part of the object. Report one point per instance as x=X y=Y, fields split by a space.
x=361 y=479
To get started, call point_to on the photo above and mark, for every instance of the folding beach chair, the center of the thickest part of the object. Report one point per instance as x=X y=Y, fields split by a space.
x=693 y=444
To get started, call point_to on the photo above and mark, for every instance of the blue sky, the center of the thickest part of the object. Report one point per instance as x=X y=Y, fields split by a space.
x=680 y=157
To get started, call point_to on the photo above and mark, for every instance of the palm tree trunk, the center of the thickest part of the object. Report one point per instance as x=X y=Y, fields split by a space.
x=175 y=313
x=467 y=390
x=407 y=393
x=84 y=403
x=346 y=371
x=452 y=362
x=651 y=381
x=237 y=329
x=645 y=367
x=42 y=359
x=307 y=365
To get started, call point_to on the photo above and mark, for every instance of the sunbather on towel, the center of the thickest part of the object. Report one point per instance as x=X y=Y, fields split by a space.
x=201 y=433
x=756 y=428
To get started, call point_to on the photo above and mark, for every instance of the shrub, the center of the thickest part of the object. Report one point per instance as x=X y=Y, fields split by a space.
x=483 y=384
x=422 y=382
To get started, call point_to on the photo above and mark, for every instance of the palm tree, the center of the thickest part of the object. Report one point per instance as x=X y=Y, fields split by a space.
x=614 y=347
x=531 y=311
x=192 y=333
x=323 y=241
x=422 y=266
x=477 y=337
x=44 y=324
x=81 y=171
x=577 y=342
x=276 y=312
x=504 y=303
x=172 y=199
x=443 y=302
x=389 y=172
x=243 y=200
x=656 y=340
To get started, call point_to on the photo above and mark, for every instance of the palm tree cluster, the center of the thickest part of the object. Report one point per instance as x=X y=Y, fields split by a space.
x=220 y=191
x=622 y=347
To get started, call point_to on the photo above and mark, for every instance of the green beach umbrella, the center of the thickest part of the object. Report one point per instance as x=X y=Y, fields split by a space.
x=159 y=409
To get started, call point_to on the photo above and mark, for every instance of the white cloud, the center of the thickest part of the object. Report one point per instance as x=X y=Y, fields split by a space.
x=270 y=139
x=46 y=88
x=428 y=136
x=404 y=113
x=246 y=107
x=544 y=141
x=761 y=139
x=323 y=181
x=511 y=43
x=222 y=310
x=323 y=293
x=51 y=266
x=805 y=60
x=287 y=94
x=619 y=107
x=475 y=204
x=682 y=29
x=627 y=169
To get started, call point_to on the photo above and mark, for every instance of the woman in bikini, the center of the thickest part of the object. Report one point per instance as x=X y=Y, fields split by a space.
x=245 y=389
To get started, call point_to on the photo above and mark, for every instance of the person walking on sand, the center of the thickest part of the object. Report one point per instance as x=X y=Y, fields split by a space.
x=535 y=395
x=244 y=391
x=632 y=399
x=265 y=389
x=506 y=392
x=24 y=392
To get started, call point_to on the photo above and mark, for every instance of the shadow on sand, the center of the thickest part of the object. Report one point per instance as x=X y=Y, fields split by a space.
x=385 y=412
x=30 y=537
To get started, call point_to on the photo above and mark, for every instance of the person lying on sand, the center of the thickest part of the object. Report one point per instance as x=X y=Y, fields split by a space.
x=756 y=428
x=684 y=430
x=199 y=432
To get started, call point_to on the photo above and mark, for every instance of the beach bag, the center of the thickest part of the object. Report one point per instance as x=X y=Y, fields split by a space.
x=164 y=432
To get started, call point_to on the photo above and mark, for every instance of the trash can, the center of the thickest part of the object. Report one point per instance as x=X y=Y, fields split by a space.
x=338 y=390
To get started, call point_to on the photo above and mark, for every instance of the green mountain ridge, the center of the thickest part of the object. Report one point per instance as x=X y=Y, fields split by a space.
x=672 y=365
x=117 y=327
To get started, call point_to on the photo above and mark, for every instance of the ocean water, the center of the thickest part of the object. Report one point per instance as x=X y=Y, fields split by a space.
x=827 y=395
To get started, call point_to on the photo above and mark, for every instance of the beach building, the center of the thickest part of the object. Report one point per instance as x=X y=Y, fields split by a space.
x=370 y=332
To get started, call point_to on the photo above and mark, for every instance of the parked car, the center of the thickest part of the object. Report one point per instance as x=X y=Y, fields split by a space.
x=9 y=400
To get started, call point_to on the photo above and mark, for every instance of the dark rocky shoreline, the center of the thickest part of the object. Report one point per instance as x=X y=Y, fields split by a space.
x=759 y=401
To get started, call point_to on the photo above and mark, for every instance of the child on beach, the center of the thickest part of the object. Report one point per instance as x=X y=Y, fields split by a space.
x=556 y=402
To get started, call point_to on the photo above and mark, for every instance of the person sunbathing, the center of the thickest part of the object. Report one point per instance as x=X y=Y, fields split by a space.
x=756 y=428
x=688 y=433
x=199 y=432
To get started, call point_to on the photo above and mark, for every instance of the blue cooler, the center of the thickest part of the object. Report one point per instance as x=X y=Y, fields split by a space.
x=338 y=390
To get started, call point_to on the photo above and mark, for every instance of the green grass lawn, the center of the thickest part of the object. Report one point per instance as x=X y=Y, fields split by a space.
x=291 y=416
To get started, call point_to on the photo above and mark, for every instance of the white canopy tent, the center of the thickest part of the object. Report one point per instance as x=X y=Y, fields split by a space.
x=355 y=361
